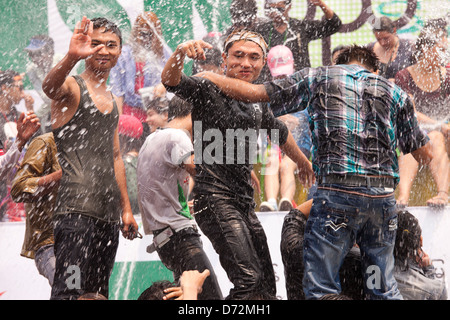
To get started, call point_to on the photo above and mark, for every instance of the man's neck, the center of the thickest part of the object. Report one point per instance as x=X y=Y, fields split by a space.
x=95 y=78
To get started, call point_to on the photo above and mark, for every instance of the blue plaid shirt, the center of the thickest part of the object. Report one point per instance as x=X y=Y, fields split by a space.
x=357 y=119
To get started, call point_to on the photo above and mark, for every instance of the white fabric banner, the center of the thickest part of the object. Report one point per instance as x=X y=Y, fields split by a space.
x=20 y=280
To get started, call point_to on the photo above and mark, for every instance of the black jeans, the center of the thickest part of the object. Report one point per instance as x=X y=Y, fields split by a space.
x=85 y=250
x=238 y=237
x=185 y=252
x=291 y=246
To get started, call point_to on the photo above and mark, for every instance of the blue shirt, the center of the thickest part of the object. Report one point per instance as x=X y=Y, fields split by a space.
x=122 y=76
x=357 y=119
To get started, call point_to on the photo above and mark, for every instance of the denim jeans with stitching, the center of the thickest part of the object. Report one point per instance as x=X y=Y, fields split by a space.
x=45 y=262
x=339 y=218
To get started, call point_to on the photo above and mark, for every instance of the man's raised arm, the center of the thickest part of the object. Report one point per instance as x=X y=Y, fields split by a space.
x=55 y=85
x=194 y=49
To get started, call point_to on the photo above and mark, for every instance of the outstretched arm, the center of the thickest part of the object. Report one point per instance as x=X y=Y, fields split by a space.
x=327 y=11
x=194 y=49
x=237 y=89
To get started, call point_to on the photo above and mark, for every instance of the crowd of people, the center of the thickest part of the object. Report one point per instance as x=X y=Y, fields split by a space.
x=127 y=137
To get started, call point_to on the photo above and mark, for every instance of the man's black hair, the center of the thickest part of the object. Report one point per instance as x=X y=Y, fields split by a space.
x=179 y=108
x=108 y=25
x=338 y=48
x=156 y=290
x=407 y=241
x=213 y=57
x=384 y=24
x=160 y=105
x=365 y=56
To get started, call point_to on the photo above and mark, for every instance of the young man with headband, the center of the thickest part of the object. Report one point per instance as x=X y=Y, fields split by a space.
x=224 y=205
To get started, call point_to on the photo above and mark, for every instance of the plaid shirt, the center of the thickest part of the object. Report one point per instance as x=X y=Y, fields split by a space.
x=357 y=119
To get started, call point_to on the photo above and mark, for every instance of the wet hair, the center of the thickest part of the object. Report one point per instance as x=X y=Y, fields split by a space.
x=335 y=296
x=179 y=108
x=363 y=55
x=213 y=57
x=433 y=31
x=338 y=48
x=384 y=24
x=108 y=25
x=160 y=105
x=92 y=296
x=407 y=241
x=156 y=290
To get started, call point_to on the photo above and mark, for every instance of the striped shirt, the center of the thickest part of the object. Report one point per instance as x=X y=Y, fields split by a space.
x=357 y=119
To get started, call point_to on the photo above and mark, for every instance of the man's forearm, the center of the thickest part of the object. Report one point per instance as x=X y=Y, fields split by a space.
x=119 y=170
x=291 y=149
x=238 y=89
x=55 y=79
x=171 y=74
x=327 y=11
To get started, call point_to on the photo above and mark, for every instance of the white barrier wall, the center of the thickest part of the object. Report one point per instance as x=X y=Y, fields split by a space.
x=135 y=269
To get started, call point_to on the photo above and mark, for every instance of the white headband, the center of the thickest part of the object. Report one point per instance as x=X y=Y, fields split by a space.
x=248 y=36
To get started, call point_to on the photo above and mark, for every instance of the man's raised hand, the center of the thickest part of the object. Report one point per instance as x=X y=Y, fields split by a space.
x=80 y=44
x=194 y=49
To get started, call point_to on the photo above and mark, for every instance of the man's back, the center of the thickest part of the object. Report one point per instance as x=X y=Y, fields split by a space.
x=358 y=118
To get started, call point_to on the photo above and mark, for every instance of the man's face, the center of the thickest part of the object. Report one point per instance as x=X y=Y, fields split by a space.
x=277 y=12
x=244 y=61
x=155 y=119
x=106 y=58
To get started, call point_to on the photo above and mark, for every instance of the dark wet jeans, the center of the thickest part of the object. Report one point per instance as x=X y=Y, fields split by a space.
x=340 y=217
x=238 y=237
x=85 y=250
x=184 y=252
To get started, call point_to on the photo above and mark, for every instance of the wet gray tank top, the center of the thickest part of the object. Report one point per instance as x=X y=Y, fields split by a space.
x=85 y=151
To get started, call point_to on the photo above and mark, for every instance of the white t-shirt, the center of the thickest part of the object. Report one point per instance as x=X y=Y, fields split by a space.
x=163 y=185
x=9 y=160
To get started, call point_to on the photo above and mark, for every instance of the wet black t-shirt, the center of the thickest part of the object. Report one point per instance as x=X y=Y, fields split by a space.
x=225 y=133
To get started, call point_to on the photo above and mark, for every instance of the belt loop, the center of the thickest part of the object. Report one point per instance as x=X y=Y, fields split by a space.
x=368 y=182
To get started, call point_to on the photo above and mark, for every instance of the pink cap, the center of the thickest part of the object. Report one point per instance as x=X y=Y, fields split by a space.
x=130 y=126
x=280 y=61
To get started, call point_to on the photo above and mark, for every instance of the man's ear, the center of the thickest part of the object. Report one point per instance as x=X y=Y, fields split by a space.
x=224 y=62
